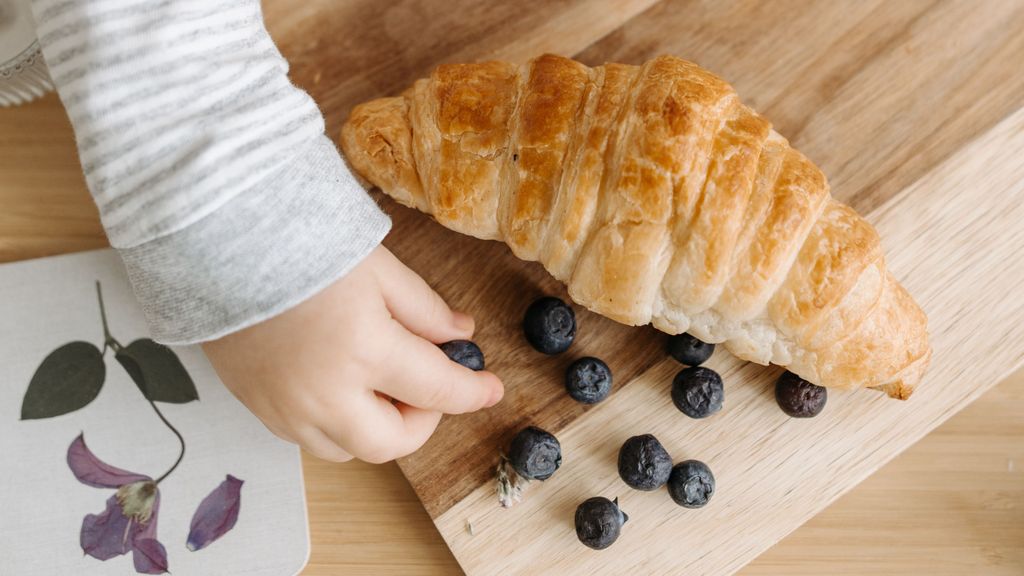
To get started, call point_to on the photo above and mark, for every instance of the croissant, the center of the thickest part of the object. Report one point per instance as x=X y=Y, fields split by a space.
x=657 y=197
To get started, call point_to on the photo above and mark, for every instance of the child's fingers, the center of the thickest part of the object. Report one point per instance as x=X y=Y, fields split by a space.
x=280 y=433
x=414 y=303
x=317 y=443
x=421 y=375
x=419 y=426
x=382 y=430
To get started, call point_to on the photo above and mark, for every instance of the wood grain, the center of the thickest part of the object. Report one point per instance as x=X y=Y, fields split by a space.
x=964 y=478
x=486 y=280
x=878 y=93
x=858 y=94
x=774 y=472
x=347 y=52
x=44 y=206
x=856 y=79
x=951 y=504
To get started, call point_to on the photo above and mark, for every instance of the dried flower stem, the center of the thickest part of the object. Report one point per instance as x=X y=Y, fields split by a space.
x=110 y=342
x=176 y=433
x=510 y=484
x=108 y=339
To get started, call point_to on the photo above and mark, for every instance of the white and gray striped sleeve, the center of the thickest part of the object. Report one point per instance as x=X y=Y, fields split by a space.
x=211 y=171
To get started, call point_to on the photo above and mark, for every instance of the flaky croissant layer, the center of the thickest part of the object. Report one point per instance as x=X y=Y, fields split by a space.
x=657 y=197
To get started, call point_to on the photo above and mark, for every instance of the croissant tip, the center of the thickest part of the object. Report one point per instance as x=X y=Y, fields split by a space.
x=901 y=392
x=896 y=390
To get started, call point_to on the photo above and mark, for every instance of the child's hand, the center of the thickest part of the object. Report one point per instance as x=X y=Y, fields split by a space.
x=323 y=373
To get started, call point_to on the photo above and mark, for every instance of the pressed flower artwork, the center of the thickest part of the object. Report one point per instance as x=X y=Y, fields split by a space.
x=71 y=377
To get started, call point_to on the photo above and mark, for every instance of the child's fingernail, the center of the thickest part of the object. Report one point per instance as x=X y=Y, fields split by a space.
x=463 y=321
x=496 y=395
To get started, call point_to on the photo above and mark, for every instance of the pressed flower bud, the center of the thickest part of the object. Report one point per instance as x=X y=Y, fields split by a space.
x=136 y=499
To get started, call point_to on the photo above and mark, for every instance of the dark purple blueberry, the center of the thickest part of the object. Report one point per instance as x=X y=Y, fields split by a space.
x=588 y=380
x=535 y=454
x=698 y=392
x=549 y=325
x=464 y=352
x=798 y=397
x=644 y=463
x=691 y=484
x=599 y=522
x=689 y=350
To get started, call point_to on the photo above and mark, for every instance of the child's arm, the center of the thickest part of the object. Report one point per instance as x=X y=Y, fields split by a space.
x=229 y=205
x=212 y=174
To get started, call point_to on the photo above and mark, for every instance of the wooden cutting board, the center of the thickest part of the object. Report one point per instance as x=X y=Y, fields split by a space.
x=912 y=108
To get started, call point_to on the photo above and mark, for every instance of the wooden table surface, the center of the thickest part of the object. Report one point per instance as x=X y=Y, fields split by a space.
x=953 y=504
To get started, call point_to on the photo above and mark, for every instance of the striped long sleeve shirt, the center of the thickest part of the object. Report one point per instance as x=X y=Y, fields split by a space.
x=211 y=171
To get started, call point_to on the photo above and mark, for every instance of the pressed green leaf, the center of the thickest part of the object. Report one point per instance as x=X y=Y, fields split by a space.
x=158 y=372
x=69 y=378
x=134 y=371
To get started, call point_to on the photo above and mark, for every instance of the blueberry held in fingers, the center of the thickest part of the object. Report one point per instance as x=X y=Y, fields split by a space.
x=535 y=454
x=691 y=484
x=698 y=392
x=549 y=325
x=644 y=463
x=464 y=352
x=588 y=380
x=798 y=397
x=599 y=522
x=689 y=350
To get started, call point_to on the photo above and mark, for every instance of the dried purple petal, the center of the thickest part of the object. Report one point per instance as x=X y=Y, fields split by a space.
x=149 y=528
x=92 y=471
x=108 y=534
x=216 y=515
x=149 y=556
x=112 y=533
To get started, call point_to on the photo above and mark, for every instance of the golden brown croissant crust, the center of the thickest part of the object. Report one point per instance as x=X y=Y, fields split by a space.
x=657 y=197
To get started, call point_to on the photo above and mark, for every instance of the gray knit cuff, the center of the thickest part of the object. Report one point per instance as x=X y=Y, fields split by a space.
x=260 y=254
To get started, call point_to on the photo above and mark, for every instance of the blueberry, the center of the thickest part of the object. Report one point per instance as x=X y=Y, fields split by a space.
x=599 y=522
x=549 y=325
x=691 y=484
x=689 y=350
x=643 y=463
x=588 y=380
x=798 y=397
x=535 y=454
x=698 y=392
x=464 y=352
